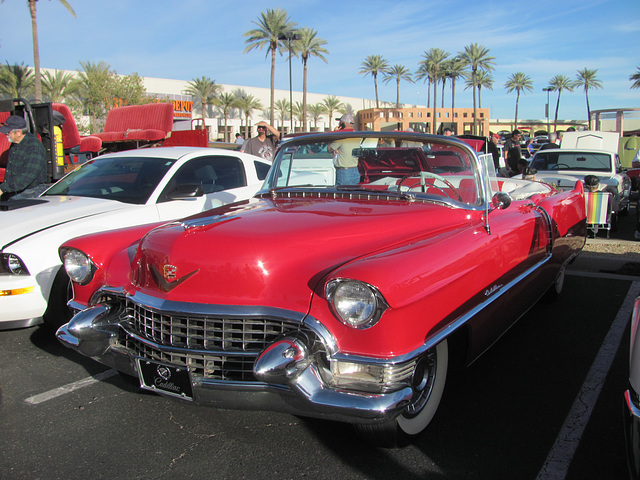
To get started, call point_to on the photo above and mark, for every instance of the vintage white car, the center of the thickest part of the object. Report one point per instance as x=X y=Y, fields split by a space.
x=123 y=189
x=583 y=153
x=563 y=167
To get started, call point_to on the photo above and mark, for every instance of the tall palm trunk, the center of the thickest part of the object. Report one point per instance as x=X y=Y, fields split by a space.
x=435 y=100
x=586 y=94
x=304 y=97
x=36 y=50
x=555 y=120
x=474 y=81
x=273 y=77
x=453 y=103
x=375 y=84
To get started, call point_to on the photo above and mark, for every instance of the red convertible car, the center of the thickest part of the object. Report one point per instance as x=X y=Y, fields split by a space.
x=366 y=267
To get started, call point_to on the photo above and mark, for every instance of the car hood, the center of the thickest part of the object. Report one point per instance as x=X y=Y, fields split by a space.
x=568 y=180
x=274 y=253
x=56 y=210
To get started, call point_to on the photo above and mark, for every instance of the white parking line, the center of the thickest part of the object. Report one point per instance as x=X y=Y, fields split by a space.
x=559 y=458
x=70 y=387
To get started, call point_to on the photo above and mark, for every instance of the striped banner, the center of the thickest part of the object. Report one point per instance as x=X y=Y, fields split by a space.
x=597 y=204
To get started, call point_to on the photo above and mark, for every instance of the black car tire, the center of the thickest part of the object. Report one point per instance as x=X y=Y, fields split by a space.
x=58 y=313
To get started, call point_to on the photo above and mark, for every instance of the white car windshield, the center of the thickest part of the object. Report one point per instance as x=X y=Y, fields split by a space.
x=403 y=163
x=573 y=161
x=125 y=179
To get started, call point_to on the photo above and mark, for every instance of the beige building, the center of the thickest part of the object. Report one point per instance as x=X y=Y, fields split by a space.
x=420 y=119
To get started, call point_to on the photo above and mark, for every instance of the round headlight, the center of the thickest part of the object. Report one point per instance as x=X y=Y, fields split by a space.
x=78 y=266
x=356 y=303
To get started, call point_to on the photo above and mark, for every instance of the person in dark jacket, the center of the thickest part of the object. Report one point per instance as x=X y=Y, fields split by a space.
x=26 y=172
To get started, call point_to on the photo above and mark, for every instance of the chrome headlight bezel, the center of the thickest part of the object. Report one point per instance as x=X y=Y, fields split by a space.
x=12 y=264
x=355 y=303
x=78 y=265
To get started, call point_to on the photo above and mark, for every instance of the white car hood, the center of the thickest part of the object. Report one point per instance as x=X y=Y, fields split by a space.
x=568 y=180
x=57 y=210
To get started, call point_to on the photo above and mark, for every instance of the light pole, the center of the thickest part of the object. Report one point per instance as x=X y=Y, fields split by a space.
x=288 y=36
x=546 y=107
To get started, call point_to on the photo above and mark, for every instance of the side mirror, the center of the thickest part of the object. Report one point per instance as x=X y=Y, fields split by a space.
x=500 y=200
x=188 y=190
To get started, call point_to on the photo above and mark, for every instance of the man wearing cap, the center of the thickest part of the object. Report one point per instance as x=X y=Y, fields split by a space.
x=346 y=164
x=263 y=145
x=26 y=170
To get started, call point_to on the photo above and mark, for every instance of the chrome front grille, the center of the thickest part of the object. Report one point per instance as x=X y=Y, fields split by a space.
x=211 y=346
x=205 y=333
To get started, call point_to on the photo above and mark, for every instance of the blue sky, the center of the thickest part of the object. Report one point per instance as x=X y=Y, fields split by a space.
x=190 y=38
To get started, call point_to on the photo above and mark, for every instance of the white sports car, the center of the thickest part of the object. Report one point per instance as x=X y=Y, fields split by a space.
x=128 y=188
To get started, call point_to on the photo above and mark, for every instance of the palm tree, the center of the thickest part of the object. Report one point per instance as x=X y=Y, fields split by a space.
x=204 y=90
x=434 y=59
x=587 y=78
x=424 y=74
x=59 y=85
x=455 y=69
x=95 y=89
x=476 y=57
x=247 y=104
x=272 y=26
x=331 y=104
x=483 y=80
x=635 y=78
x=16 y=80
x=308 y=45
x=374 y=65
x=397 y=73
x=299 y=113
x=316 y=111
x=36 y=49
x=226 y=101
x=558 y=84
x=519 y=82
x=283 y=110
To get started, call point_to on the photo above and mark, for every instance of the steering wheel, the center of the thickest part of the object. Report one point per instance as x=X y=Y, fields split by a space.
x=436 y=177
x=563 y=164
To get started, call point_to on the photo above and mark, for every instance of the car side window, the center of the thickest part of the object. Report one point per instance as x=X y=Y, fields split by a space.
x=545 y=161
x=261 y=170
x=212 y=173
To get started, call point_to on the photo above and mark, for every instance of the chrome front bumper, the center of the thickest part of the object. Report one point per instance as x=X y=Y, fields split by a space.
x=288 y=379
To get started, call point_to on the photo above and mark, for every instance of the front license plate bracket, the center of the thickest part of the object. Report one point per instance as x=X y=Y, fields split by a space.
x=166 y=379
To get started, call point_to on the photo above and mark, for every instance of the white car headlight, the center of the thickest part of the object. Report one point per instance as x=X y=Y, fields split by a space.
x=13 y=264
x=357 y=304
x=78 y=266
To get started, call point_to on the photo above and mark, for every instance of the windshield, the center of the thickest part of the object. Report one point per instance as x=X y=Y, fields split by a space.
x=574 y=161
x=125 y=179
x=413 y=164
